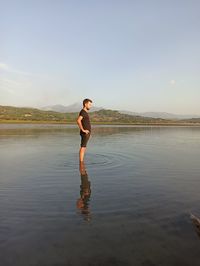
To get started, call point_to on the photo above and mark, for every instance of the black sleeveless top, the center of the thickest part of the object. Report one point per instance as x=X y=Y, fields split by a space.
x=85 y=121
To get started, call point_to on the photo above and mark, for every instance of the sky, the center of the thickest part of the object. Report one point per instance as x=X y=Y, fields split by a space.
x=135 y=55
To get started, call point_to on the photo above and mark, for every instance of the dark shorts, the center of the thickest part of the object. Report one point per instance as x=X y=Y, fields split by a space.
x=84 y=139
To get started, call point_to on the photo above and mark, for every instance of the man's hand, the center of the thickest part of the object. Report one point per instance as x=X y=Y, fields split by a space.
x=86 y=131
x=80 y=125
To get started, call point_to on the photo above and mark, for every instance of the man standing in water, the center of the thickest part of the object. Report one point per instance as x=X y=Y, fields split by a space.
x=83 y=122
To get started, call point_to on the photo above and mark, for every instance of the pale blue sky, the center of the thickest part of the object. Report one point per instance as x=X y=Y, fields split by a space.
x=132 y=55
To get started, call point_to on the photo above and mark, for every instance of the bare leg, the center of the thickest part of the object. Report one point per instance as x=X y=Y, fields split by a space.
x=82 y=153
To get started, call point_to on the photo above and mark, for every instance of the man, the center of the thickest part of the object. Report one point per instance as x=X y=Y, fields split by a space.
x=83 y=122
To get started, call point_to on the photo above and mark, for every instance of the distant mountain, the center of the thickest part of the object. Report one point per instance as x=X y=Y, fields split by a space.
x=76 y=107
x=104 y=116
x=162 y=115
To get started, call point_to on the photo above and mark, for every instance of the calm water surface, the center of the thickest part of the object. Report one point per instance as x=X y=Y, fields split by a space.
x=129 y=204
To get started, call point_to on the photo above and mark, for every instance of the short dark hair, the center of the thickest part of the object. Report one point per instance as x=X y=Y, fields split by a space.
x=86 y=101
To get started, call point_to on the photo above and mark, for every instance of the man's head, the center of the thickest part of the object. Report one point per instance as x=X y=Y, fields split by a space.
x=87 y=103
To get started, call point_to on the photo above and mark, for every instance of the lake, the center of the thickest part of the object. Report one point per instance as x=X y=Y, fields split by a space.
x=129 y=204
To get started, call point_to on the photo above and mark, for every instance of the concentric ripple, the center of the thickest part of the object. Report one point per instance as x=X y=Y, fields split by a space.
x=108 y=160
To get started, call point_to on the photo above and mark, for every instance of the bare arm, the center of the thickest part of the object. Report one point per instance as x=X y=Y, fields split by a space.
x=80 y=124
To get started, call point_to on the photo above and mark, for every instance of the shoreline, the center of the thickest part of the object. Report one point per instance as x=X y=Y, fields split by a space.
x=98 y=123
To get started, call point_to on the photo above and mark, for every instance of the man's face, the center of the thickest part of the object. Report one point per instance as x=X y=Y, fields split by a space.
x=88 y=105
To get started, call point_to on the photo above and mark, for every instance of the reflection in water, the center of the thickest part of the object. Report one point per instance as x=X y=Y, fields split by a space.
x=85 y=192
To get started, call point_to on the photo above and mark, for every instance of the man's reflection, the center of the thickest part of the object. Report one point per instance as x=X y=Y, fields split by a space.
x=85 y=192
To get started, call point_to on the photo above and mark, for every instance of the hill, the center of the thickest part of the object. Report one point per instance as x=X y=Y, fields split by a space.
x=31 y=114
x=20 y=114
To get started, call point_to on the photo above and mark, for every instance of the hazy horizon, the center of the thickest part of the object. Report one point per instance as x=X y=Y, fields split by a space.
x=103 y=107
x=138 y=56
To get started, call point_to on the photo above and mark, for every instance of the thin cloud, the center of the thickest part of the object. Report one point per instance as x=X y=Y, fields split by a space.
x=4 y=66
x=7 y=68
x=9 y=82
x=14 y=86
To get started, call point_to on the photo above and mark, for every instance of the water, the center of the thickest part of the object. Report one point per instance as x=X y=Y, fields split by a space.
x=129 y=204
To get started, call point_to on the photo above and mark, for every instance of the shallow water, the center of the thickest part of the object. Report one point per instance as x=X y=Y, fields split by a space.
x=129 y=205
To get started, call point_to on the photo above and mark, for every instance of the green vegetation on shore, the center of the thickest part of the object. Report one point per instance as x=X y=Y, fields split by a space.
x=10 y=114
